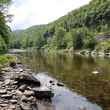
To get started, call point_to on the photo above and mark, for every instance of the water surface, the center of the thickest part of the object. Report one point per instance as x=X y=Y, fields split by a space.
x=78 y=74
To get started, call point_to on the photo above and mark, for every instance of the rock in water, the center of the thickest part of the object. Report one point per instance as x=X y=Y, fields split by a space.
x=43 y=93
x=28 y=79
x=60 y=84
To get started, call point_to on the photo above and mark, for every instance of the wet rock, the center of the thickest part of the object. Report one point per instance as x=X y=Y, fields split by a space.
x=51 y=81
x=3 y=91
x=43 y=93
x=28 y=79
x=60 y=84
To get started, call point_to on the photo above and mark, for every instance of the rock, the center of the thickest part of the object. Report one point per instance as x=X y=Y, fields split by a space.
x=60 y=84
x=12 y=64
x=19 y=93
x=7 y=96
x=51 y=81
x=7 y=69
x=20 y=70
x=24 y=98
x=25 y=106
x=13 y=101
x=3 y=105
x=7 y=81
x=15 y=82
x=28 y=79
x=22 y=87
x=43 y=93
x=28 y=93
x=3 y=91
x=95 y=72
x=12 y=107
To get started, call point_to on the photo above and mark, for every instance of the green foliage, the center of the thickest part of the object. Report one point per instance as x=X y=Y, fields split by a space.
x=4 y=29
x=61 y=44
x=103 y=46
x=77 y=29
x=5 y=59
x=3 y=46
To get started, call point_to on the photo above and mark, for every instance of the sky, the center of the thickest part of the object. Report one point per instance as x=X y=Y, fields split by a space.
x=34 y=12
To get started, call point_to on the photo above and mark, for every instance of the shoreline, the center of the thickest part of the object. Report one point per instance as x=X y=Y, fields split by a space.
x=20 y=90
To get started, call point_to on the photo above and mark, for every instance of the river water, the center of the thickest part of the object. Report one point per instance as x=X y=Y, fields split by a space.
x=86 y=79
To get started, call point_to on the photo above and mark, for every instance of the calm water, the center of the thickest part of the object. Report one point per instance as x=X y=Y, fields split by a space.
x=76 y=73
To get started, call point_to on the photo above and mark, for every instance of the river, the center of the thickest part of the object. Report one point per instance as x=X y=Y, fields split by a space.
x=87 y=79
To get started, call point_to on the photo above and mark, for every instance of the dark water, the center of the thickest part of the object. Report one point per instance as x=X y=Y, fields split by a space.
x=89 y=77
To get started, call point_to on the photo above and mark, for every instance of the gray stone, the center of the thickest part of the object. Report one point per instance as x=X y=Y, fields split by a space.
x=28 y=93
x=13 y=101
x=3 y=91
x=25 y=106
x=22 y=87
x=7 y=81
x=3 y=105
x=7 y=96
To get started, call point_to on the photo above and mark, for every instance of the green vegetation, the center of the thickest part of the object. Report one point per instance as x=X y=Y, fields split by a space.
x=4 y=29
x=78 y=29
x=6 y=59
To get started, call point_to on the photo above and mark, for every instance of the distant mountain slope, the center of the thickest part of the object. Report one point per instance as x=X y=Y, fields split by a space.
x=78 y=29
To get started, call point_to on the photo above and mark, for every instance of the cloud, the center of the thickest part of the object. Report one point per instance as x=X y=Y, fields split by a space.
x=32 y=12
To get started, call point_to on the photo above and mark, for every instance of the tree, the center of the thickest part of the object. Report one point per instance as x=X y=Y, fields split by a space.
x=4 y=17
x=60 y=32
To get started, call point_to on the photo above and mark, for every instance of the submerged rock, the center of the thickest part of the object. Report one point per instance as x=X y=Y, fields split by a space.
x=43 y=93
x=60 y=84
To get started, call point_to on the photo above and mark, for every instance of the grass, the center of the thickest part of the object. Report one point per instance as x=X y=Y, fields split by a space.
x=6 y=59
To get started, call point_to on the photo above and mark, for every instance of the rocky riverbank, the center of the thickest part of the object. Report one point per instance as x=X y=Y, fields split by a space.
x=20 y=90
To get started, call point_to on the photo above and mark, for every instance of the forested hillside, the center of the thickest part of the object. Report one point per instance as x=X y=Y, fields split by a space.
x=4 y=29
x=76 y=30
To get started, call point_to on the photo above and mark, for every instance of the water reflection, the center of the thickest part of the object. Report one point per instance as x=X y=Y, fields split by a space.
x=76 y=73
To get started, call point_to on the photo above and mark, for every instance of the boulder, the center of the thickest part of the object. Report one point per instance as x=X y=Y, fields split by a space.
x=43 y=93
x=27 y=79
